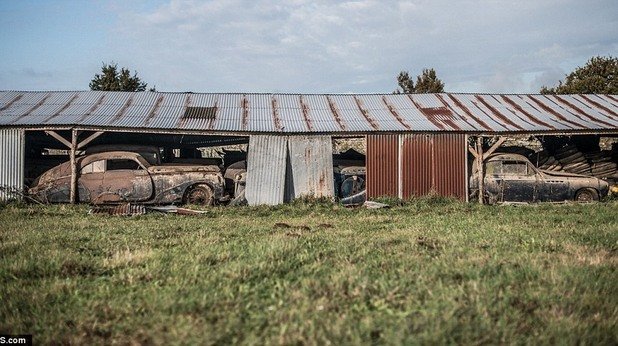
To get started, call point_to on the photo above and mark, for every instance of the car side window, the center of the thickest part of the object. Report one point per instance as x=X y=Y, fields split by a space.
x=94 y=167
x=514 y=168
x=492 y=167
x=122 y=164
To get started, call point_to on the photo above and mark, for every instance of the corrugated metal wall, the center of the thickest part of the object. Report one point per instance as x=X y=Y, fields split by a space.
x=266 y=165
x=11 y=161
x=416 y=164
x=382 y=165
x=310 y=170
x=434 y=163
x=450 y=164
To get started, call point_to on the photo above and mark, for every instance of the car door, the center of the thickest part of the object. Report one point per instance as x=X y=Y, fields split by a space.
x=125 y=180
x=90 y=180
x=553 y=189
x=519 y=182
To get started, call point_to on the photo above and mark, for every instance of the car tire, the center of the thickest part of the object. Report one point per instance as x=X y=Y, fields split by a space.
x=200 y=195
x=587 y=195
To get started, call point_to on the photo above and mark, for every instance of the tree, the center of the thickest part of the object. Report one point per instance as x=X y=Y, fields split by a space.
x=405 y=83
x=598 y=76
x=111 y=79
x=426 y=82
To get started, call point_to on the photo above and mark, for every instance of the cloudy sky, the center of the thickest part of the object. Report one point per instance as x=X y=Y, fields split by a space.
x=303 y=46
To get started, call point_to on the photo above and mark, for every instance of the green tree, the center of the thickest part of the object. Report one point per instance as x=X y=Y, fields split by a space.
x=426 y=82
x=405 y=83
x=598 y=76
x=111 y=79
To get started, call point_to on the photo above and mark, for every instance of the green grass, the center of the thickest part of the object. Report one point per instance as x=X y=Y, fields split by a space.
x=426 y=272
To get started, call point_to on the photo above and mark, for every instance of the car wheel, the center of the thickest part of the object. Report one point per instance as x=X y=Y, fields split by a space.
x=587 y=195
x=200 y=194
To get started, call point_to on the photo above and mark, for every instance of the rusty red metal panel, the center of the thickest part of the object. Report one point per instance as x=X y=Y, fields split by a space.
x=434 y=163
x=417 y=165
x=450 y=165
x=382 y=165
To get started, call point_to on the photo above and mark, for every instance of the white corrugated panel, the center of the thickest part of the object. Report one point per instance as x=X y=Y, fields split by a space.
x=266 y=161
x=311 y=167
x=11 y=162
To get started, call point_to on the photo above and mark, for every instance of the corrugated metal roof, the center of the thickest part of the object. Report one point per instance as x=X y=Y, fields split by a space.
x=311 y=113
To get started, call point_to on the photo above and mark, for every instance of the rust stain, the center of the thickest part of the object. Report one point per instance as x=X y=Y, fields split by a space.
x=612 y=98
x=154 y=110
x=497 y=113
x=305 y=109
x=469 y=113
x=244 y=103
x=589 y=100
x=93 y=108
x=335 y=112
x=32 y=109
x=122 y=110
x=17 y=98
x=365 y=113
x=526 y=113
x=553 y=112
x=276 y=118
x=67 y=105
x=182 y=120
x=446 y=105
x=580 y=111
x=439 y=116
x=211 y=122
x=512 y=111
x=395 y=114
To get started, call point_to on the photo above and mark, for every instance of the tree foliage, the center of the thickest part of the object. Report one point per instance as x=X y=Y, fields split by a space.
x=426 y=82
x=111 y=79
x=405 y=83
x=598 y=76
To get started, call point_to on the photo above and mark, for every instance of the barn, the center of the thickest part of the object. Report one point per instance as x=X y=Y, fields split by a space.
x=415 y=144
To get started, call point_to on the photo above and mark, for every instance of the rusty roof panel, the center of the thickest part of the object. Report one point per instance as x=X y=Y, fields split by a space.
x=321 y=113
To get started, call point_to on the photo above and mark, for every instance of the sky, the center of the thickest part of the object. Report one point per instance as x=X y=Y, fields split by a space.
x=298 y=46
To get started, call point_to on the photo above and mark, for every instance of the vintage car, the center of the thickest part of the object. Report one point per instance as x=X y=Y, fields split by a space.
x=512 y=178
x=123 y=176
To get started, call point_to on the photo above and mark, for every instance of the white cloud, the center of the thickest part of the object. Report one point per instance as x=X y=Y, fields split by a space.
x=359 y=46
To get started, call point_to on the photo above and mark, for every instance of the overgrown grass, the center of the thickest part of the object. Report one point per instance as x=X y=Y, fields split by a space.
x=426 y=272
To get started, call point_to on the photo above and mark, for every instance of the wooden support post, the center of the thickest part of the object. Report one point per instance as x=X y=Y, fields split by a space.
x=481 y=174
x=72 y=153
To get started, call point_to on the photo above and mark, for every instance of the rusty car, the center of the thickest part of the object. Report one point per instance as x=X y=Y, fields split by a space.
x=124 y=176
x=513 y=178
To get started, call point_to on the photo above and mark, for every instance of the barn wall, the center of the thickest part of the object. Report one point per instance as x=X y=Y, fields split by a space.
x=310 y=167
x=266 y=163
x=416 y=164
x=382 y=165
x=11 y=162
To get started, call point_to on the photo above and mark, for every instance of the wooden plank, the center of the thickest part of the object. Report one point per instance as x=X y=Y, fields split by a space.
x=494 y=147
x=59 y=138
x=481 y=173
x=89 y=139
x=73 y=149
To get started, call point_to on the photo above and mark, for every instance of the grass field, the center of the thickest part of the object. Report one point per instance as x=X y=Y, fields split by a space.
x=431 y=271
